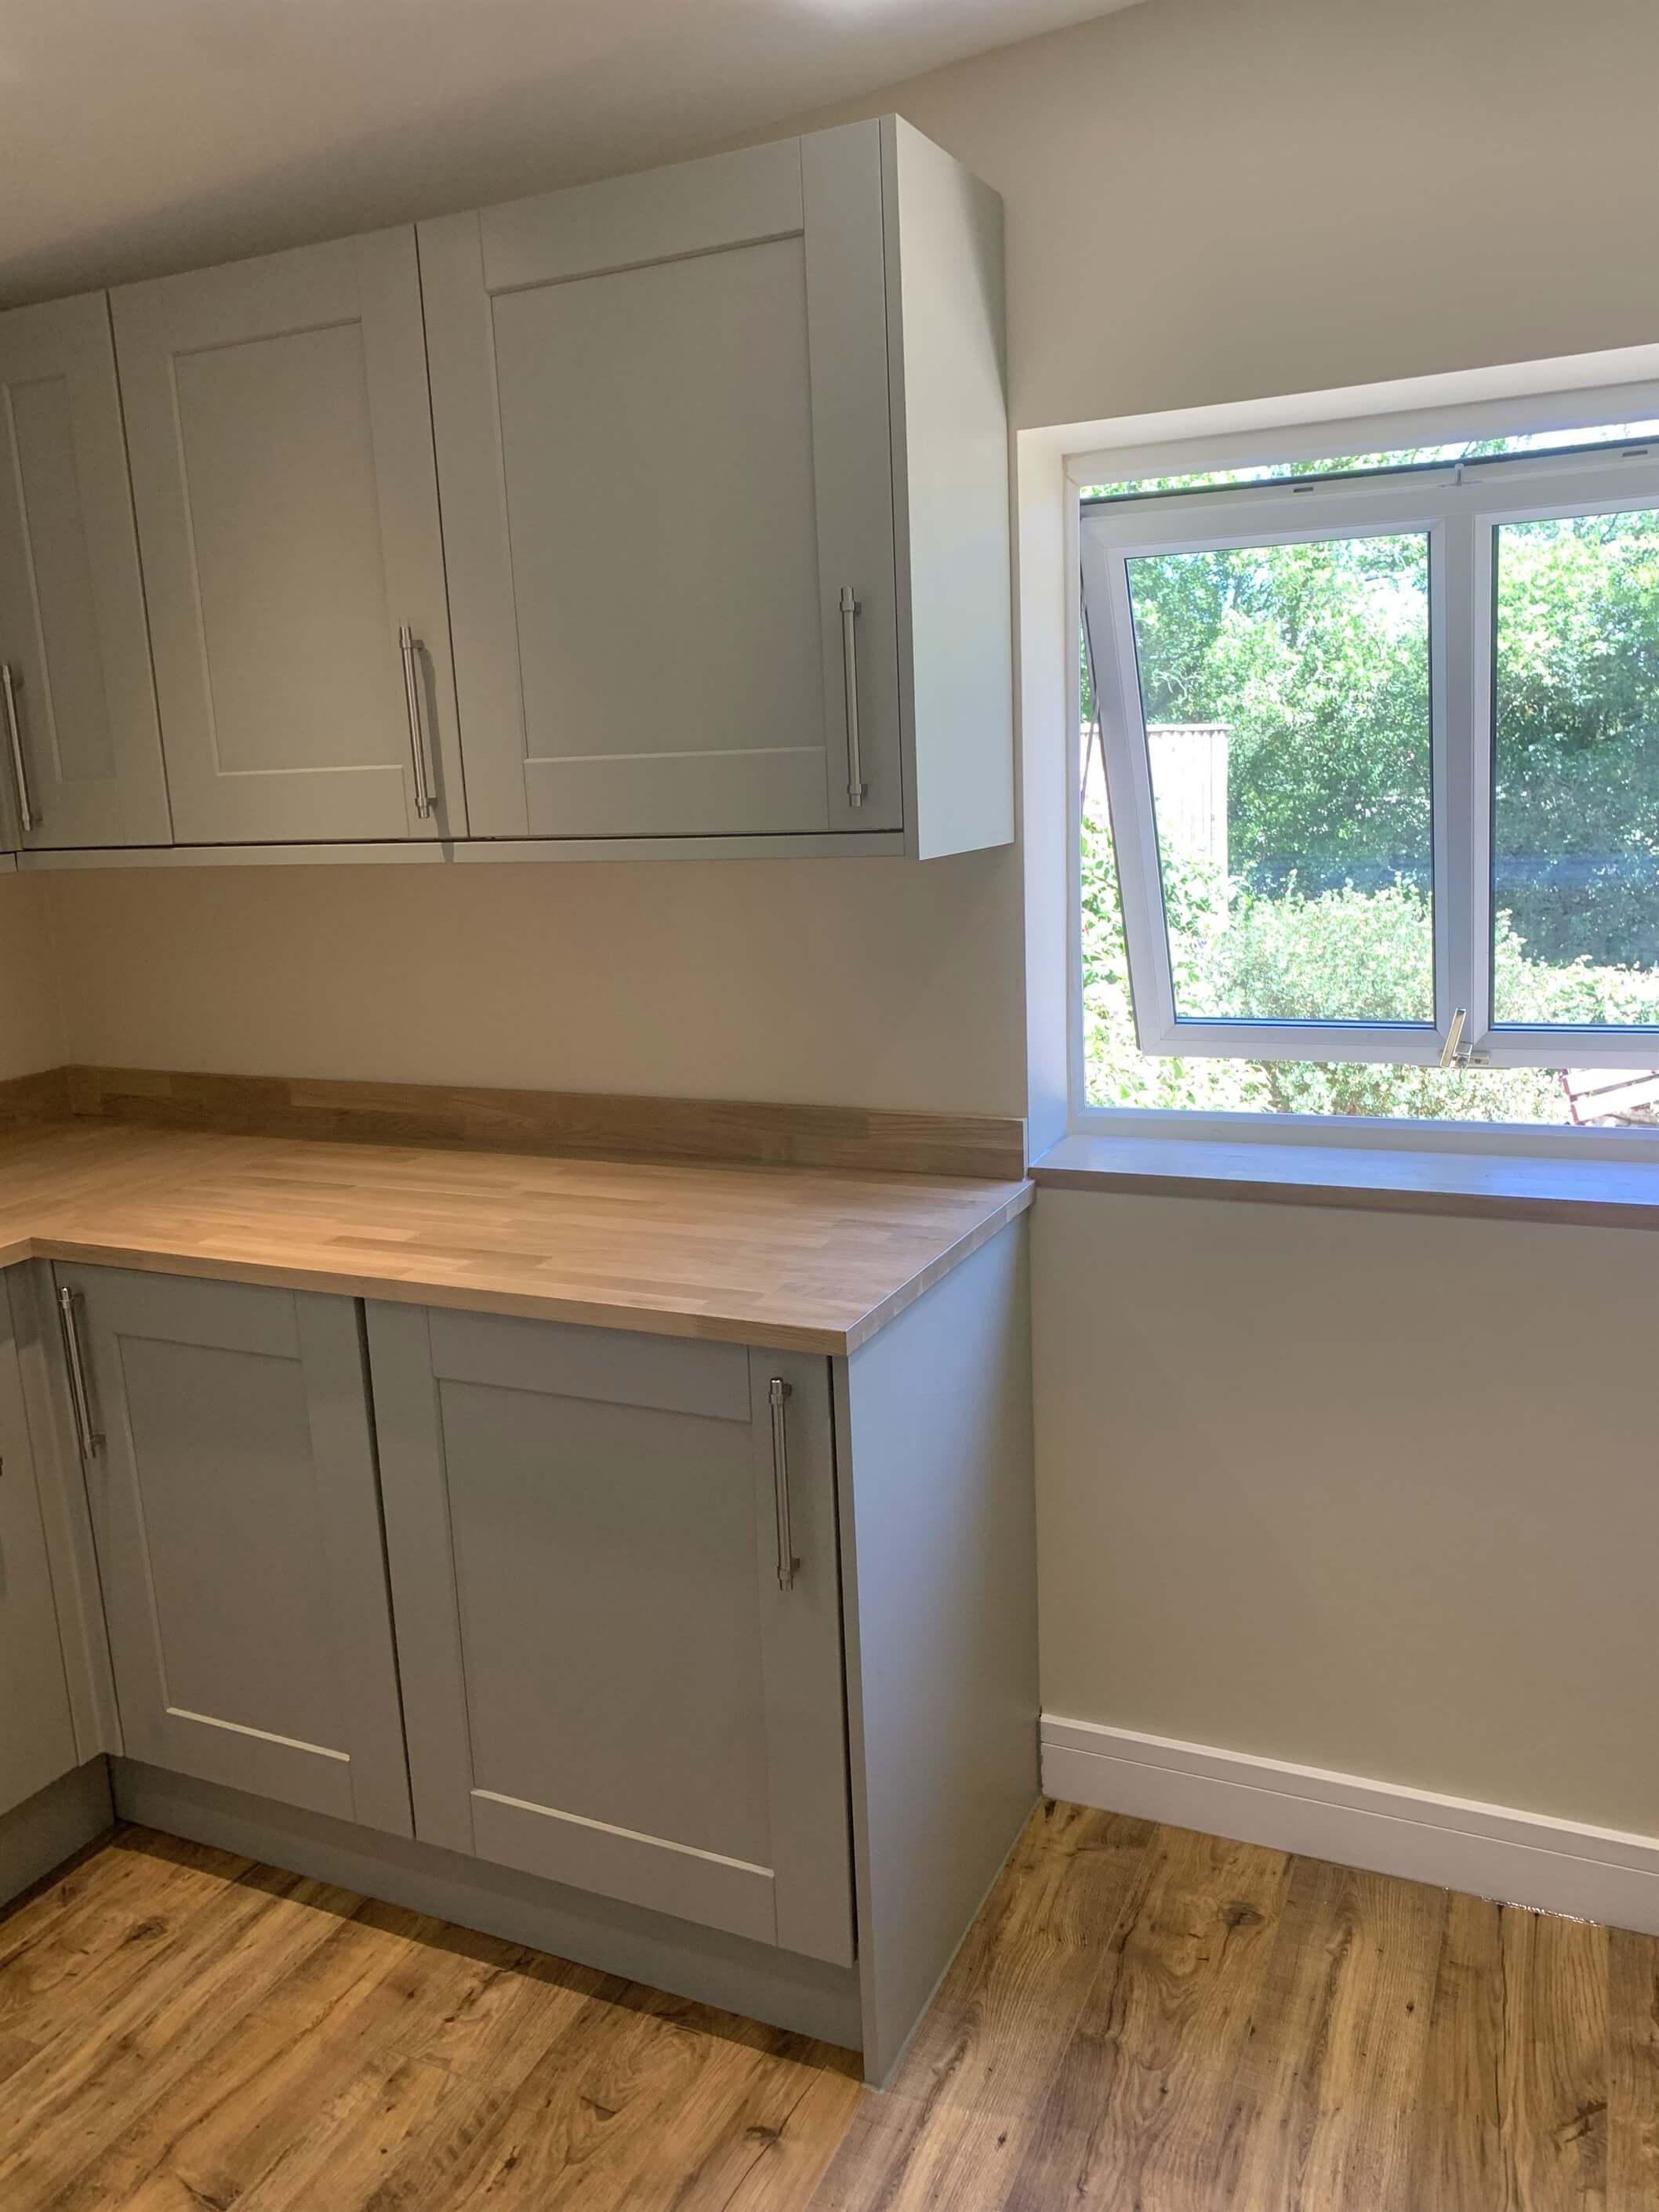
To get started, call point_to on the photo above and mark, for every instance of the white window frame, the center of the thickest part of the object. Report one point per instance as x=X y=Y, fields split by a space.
x=1458 y=507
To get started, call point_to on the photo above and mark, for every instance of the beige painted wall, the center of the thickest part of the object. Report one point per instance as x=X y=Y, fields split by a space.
x=1230 y=199
x=1359 y=1491
x=31 y=1031
x=867 y=982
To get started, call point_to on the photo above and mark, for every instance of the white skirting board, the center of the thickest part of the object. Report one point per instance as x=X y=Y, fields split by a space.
x=1490 y=1851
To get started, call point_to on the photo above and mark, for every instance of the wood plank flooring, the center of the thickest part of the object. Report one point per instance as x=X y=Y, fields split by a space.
x=1142 y=2020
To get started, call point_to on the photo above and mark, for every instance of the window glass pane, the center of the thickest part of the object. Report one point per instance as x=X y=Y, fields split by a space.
x=1117 y=1073
x=1575 y=771
x=1285 y=693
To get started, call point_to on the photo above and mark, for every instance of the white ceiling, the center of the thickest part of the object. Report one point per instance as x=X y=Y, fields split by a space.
x=137 y=135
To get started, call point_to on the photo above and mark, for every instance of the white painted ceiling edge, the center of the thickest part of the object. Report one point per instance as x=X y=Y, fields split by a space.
x=138 y=136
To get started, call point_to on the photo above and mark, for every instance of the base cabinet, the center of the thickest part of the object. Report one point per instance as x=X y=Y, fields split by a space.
x=230 y=1472
x=614 y=1572
x=37 y=1731
x=610 y=1560
x=687 y=1660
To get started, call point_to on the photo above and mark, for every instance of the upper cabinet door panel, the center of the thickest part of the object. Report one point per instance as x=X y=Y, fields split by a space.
x=641 y=391
x=79 y=748
x=657 y=438
x=282 y=456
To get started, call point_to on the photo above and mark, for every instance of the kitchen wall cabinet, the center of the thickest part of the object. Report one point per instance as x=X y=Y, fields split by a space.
x=80 y=751
x=723 y=544
x=724 y=461
x=615 y=1577
x=230 y=1468
x=281 y=444
x=37 y=1730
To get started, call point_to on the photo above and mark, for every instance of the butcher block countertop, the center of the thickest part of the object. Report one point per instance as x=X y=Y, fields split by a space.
x=801 y=1258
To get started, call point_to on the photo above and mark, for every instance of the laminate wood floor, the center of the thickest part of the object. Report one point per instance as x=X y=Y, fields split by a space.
x=1143 y=2020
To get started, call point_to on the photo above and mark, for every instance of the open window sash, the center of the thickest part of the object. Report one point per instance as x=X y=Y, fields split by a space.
x=1458 y=510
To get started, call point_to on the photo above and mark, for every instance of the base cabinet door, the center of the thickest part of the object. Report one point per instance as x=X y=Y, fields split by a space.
x=613 y=1676
x=82 y=750
x=230 y=1465
x=37 y=1732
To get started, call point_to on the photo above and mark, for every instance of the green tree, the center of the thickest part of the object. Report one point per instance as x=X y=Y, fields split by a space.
x=1316 y=658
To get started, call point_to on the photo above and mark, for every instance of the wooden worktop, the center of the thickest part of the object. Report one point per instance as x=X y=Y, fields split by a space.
x=803 y=1259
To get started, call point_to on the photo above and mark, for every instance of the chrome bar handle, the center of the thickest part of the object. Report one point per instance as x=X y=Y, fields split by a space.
x=777 y=1394
x=857 y=789
x=409 y=646
x=19 y=767
x=87 y=1435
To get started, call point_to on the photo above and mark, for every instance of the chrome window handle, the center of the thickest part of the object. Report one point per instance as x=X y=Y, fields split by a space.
x=777 y=1394
x=408 y=645
x=87 y=1434
x=19 y=767
x=1456 y=1053
x=857 y=789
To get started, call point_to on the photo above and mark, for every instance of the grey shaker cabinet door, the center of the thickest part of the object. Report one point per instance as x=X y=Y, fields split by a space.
x=80 y=751
x=662 y=414
x=605 y=1683
x=37 y=1732
x=237 y=1523
x=281 y=437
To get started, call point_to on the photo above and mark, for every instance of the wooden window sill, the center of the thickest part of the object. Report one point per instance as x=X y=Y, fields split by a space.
x=1602 y=1191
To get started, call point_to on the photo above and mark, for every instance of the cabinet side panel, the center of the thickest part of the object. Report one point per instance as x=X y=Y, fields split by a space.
x=939 y=1558
x=951 y=445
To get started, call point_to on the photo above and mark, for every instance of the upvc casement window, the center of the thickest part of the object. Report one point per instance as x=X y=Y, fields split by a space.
x=1508 y=867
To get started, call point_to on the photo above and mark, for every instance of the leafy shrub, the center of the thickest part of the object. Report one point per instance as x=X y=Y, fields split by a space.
x=1294 y=956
